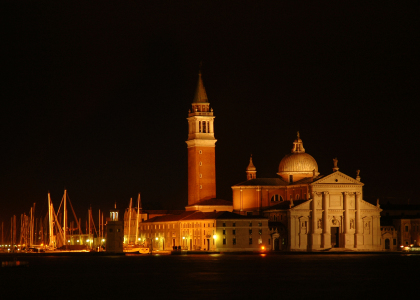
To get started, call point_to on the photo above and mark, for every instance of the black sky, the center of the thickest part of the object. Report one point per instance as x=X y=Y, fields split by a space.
x=96 y=96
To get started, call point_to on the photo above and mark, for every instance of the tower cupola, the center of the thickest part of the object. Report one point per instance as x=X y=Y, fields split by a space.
x=251 y=170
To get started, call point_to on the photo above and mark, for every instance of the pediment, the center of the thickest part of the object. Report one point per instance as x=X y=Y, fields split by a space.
x=304 y=205
x=366 y=205
x=338 y=178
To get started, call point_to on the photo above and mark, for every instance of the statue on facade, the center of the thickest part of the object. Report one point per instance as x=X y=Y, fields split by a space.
x=335 y=160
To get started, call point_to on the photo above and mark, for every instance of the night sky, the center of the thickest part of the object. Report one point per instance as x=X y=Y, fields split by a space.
x=95 y=96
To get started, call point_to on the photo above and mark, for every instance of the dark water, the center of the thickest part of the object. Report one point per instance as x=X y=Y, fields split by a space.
x=215 y=276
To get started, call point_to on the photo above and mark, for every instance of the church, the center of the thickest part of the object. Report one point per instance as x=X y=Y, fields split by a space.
x=300 y=210
x=308 y=211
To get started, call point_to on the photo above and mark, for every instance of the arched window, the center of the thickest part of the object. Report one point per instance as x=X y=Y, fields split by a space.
x=276 y=198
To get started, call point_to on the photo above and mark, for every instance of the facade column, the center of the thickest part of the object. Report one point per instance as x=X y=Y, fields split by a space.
x=348 y=238
x=359 y=235
x=259 y=203
x=242 y=200
x=326 y=233
x=315 y=237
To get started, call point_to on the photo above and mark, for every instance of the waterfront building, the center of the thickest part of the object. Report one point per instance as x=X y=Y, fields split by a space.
x=208 y=231
x=404 y=222
x=309 y=211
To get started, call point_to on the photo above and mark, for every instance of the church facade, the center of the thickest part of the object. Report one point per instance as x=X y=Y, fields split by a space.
x=309 y=211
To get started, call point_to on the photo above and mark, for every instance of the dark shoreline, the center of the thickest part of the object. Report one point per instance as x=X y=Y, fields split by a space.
x=7 y=255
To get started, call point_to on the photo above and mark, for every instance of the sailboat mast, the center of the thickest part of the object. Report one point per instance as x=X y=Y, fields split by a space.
x=89 y=224
x=129 y=221
x=50 y=220
x=65 y=219
x=137 y=219
x=99 y=234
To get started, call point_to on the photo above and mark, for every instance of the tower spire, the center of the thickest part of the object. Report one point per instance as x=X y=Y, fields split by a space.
x=200 y=92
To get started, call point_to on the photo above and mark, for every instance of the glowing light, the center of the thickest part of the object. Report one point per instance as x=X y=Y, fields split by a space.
x=103 y=240
x=139 y=239
x=183 y=237
x=68 y=241
x=77 y=240
x=262 y=248
x=215 y=236
x=402 y=246
x=156 y=238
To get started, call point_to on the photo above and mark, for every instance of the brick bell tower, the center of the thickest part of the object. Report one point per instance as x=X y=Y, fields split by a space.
x=201 y=148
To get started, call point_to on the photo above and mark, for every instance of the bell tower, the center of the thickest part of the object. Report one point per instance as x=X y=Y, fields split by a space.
x=201 y=148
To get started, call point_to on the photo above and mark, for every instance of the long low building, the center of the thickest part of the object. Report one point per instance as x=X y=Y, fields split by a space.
x=206 y=231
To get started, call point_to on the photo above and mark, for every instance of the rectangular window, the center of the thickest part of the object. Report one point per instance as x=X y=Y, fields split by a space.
x=233 y=224
x=204 y=241
x=224 y=231
x=394 y=242
x=233 y=231
x=250 y=231
x=250 y=224
x=224 y=224
x=204 y=126
x=199 y=126
x=260 y=231
x=259 y=224
x=250 y=241
x=234 y=241
x=224 y=241
x=406 y=228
